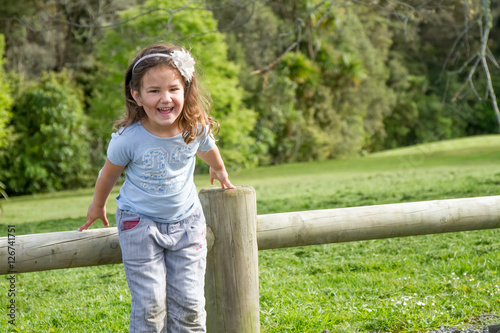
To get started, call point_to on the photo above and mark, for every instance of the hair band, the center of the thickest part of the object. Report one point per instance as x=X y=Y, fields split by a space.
x=182 y=60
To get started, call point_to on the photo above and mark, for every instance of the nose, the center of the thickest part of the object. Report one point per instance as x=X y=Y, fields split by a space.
x=166 y=98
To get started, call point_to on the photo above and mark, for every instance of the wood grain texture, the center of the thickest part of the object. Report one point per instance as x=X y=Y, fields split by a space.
x=377 y=222
x=232 y=279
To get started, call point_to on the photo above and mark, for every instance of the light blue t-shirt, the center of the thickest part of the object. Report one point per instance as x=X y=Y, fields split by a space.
x=159 y=172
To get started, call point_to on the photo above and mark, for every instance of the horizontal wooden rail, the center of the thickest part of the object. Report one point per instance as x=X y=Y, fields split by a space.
x=377 y=222
x=65 y=249
x=69 y=249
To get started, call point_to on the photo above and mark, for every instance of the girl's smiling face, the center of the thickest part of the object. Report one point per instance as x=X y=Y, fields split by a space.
x=162 y=97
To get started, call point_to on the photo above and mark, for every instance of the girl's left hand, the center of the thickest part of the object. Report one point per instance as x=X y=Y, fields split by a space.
x=221 y=176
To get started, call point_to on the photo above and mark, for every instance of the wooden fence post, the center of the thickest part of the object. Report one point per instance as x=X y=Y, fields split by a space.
x=232 y=283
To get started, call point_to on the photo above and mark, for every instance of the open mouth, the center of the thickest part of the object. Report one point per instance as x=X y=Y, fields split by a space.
x=165 y=111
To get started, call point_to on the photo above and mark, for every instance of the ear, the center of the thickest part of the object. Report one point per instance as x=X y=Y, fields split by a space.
x=136 y=96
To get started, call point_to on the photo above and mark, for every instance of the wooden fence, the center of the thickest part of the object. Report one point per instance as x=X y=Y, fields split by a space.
x=236 y=233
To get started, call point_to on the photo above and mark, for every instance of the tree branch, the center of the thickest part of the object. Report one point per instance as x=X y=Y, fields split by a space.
x=484 y=42
x=448 y=56
x=492 y=58
x=469 y=80
x=271 y=66
x=111 y=25
x=299 y=38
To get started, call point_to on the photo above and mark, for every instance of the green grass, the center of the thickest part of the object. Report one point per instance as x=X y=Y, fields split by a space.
x=411 y=284
x=406 y=284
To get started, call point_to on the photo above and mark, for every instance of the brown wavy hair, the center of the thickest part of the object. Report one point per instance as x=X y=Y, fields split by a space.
x=195 y=113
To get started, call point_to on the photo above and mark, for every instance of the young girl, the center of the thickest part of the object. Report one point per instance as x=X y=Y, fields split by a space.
x=160 y=222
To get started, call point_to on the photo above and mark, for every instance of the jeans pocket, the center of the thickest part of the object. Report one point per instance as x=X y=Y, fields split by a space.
x=197 y=232
x=134 y=237
x=127 y=220
x=127 y=225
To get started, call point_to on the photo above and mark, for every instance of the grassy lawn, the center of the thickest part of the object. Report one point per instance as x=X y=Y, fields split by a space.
x=411 y=284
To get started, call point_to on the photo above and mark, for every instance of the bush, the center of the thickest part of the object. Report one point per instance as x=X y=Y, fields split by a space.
x=5 y=109
x=5 y=100
x=49 y=150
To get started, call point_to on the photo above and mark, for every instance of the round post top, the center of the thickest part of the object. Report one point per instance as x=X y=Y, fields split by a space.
x=239 y=190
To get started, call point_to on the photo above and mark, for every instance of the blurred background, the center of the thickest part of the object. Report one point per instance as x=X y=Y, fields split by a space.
x=290 y=80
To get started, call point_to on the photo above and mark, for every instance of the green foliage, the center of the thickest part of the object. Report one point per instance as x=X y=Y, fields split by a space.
x=365 y=35
x=433 y=103
x=50 y=149
x=300 y=69
x=418 y=116
x=340 y=97
x=188 y=28
x=279 y=122
x=379 y=80
x=336 y=78
x=5 y=111
x=51 y=35
x=5 y=100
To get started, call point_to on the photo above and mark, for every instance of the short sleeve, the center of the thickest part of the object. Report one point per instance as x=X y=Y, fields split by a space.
x=119 y=151
x=207 y=141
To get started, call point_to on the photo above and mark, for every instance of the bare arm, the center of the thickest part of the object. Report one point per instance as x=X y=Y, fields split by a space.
x=217 y=169
x=104 y=184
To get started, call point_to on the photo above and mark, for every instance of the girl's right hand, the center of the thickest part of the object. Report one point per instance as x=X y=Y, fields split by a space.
x=94 y=213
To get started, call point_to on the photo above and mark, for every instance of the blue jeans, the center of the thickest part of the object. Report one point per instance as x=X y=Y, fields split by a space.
x=165 y=269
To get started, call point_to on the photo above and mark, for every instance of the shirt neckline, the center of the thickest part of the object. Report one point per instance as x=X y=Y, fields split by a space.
x=139 y=124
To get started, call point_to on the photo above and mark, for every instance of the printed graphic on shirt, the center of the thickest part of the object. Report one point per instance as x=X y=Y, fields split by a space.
x=156 y=177
x=181 y=154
